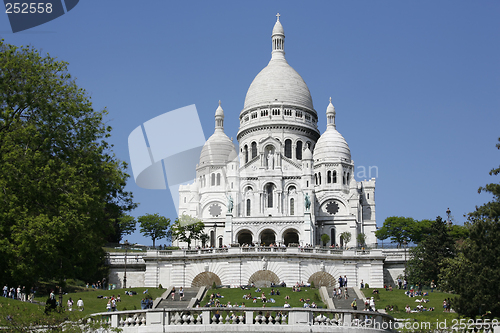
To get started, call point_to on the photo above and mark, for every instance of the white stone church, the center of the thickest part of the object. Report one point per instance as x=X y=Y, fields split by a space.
x=286 y=183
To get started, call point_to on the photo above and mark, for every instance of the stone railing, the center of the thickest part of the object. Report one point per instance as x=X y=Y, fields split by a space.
x=262 y=249
x=245 y=319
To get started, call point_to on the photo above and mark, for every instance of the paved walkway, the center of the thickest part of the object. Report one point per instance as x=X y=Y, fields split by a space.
x=342 y=302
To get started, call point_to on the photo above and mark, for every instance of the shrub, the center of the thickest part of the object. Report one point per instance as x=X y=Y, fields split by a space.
x=160 y=286
x=312 y=284
x=367 y=285
x=214 y=286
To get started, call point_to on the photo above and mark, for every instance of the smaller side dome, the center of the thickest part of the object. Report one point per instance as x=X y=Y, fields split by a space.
x=331 y=144
x=218 y=147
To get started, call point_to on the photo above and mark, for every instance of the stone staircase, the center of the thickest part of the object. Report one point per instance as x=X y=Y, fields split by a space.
x=176 y=303
x=342 y=303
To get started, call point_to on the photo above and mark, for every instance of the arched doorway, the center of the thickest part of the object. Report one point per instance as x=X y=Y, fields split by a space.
x=321 y=279
x=263 y=278
x=291 y=237
x=206 y=279
x=245 y=237
x=267 y=237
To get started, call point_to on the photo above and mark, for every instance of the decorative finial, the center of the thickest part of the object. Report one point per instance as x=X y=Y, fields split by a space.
x=278 y=16
x=330 y=100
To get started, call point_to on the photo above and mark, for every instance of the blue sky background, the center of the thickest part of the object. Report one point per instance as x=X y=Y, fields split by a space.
x=416 y=84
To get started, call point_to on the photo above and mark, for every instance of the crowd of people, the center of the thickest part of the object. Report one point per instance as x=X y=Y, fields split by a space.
x=19 y=293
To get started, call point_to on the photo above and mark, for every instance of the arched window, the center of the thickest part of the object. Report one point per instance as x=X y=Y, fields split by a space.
x=329 y=177
x=298 y=150
x=218 y=179
x=213 y=179
x=288 y=148
x=332 y=236
x=254 y=150
x=334 y=180
x=249 y=207
x=269 y=191
x=316 y=178
x=292 y=206
x=245 y=153
x=347 y=178
x=343 y=179
x=319 y=177
x=368 y=195
x=220 y=242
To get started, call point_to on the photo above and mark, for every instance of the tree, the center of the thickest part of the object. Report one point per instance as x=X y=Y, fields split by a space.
x=361 y=238
x=345 y=237
x=401 y=229
x=126 y=225
x=155 y=226
x=474 y=274
x=187 y=228
x=325 y=239
x=61 y=187
x=204 y=238
x=428 y=256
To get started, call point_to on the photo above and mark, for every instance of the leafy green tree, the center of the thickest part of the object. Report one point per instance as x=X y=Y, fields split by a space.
x=61 y=187
x=187 y=229
x=475 y=273
x=346 y=237
x=126 y=225
x=402 y=229
x=155 y=226
x=204 y=237
x=361 y=238
x=428 y=256
x=325 y=239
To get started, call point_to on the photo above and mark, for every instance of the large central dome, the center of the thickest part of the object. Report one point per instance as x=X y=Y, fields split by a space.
x=278 y=81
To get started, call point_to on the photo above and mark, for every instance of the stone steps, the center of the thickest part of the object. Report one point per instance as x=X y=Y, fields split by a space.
x=342 y=303
x=176 y=303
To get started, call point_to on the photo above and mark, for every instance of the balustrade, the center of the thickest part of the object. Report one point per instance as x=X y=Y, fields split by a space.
x=296 y=317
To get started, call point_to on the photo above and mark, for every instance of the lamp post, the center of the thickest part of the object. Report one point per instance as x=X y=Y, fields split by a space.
x=448 y=212
x=126 y=244
x=405 y=243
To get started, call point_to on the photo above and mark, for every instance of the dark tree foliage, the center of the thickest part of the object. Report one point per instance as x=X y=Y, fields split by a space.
x=436 y=245
x=187 y=229
x=61 y=188
x=475 y=273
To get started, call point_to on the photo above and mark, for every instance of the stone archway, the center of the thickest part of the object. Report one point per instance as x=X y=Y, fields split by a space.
x=245 y=237
x=321 y=279
x=291 y=237
x=263 y=278
x=267 y=237
x=206 y=279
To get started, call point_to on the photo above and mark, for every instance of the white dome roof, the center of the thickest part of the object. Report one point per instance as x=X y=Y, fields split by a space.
x=278 y=81
x=331 y=146
x=217 y=149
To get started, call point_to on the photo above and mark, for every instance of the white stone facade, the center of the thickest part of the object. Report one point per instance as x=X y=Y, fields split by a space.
x=281 y=159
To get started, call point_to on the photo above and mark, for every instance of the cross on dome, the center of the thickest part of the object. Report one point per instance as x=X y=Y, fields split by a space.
x=278 y=16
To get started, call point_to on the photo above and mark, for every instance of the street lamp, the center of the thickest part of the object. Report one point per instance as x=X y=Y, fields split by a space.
x=126 y=244
x=448 y=212
x=405 y=243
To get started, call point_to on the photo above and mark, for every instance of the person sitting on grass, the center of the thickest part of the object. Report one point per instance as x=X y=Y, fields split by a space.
x=287 y=305
x=287 y=297
x=263 y=297
x=407 y=308
x=278 y=292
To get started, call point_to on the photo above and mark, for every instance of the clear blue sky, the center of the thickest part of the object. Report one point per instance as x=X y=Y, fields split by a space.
x=416 y=84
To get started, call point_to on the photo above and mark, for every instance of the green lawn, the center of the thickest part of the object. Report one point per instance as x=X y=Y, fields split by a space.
x=398 y=299
x=94 y=304
x=235 y=296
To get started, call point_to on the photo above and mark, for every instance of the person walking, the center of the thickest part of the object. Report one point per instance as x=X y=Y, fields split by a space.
x=80 y=304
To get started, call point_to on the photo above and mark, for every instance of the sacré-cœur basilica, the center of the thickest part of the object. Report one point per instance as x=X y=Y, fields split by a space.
x=266 y=203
